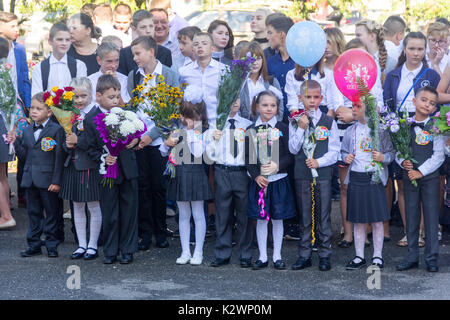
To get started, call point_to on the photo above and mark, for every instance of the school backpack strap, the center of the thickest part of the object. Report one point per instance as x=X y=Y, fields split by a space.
x=45 y=70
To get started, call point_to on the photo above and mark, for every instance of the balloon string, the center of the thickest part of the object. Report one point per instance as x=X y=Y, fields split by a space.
x=313 y=201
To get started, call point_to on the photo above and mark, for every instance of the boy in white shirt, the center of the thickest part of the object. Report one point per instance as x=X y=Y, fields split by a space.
x=394 y=32
x=59 y=69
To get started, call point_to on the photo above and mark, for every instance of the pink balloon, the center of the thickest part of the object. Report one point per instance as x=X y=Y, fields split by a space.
x=349 y=66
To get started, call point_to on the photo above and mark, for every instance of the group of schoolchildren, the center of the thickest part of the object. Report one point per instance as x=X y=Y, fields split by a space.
x=251 y=196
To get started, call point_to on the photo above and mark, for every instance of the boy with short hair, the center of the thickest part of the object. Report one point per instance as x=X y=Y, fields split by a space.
x=205 y=72
x=394 y=32
x=122 y=21
x=59 y=69
x=280 y=63
x=119 y=202
x=327 y=148
x=108 y=59
x=185 y=38
x=142 y=25
x=42 y=147
x=428 y=151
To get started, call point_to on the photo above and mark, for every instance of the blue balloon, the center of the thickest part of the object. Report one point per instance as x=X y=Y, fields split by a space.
x=306 y=43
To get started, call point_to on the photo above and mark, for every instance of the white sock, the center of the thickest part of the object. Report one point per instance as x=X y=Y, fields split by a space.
x=184 y=225
x=378 y=238
x=200 y=227
x=360 y=239
x=277 y=233
x=261 y=234
x=79 y=216
x=95 y=224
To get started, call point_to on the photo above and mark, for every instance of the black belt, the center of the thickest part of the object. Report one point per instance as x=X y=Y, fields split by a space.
x=231 y=168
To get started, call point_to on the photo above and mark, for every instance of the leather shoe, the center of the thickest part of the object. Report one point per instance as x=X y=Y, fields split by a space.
x=356 y=265
x=301 y=263
x=91 y=256
x=220 y=262
x=144 y=245
x=109 y=260
x=324 y=264
x=31 y=252
x=162 y=244
x=259 y=265
x=279 y=265
x=406 y=265
x=52 y=253
x=246 y=263
x=78 y=255
x=126 y=258
x=432 y=266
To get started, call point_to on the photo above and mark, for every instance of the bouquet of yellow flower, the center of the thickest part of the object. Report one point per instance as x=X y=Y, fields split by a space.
x=160 y=102
x=63 y=107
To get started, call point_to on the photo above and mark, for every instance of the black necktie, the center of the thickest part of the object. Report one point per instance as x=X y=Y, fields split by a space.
x=421 y=125
x=35 y=127
x=235 y=144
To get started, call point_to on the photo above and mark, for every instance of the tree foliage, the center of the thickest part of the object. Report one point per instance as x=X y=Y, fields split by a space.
x=419 y=14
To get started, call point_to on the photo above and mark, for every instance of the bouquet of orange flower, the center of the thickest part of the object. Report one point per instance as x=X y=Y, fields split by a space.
x=63 y=107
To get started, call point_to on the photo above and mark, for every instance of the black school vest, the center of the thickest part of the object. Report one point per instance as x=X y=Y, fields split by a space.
x=422 y=146
x=45 y=70
x=322 y=133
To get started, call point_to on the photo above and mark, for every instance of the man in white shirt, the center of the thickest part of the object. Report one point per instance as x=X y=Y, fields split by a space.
x=59 y=69
x=108 y=59
x=394 y=32
x=205 y=72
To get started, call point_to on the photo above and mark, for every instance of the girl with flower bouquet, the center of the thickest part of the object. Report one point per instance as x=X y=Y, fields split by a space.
x=366 y=196
x=270 y=194
x=189 y=186
x=81 y=179
x=118 y=200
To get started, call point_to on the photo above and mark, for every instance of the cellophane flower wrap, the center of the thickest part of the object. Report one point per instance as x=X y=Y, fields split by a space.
x=7 y=98
x=374 y=125
x=399 y=129
x=117 y=129
x=230 y=85
x=63 y=107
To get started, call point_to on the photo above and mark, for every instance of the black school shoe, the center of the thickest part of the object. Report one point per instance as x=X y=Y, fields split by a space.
x=220 y=262
x=356 y=265
x=246 y=263
x=379 y=265
x=30 y=252
x=301 y=264
x=432 y=266
x=52 y=253
x=279 y=265
x=258 y=265
x=126 y=258
x=324 y=264
x=109 y=260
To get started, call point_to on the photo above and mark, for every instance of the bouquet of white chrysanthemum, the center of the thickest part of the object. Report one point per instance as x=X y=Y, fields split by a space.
x=117 y=129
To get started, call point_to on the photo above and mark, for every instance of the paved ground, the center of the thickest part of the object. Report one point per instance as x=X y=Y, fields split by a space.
x=154 y=274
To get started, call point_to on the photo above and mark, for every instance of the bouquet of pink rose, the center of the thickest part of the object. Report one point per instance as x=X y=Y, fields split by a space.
x=117 y=129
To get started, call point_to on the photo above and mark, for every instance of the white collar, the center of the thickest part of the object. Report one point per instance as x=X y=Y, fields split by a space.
x=316 y=114
x=187 y=61
x=213 y=63
x=87 y=109
x=53 y=60
x=415 y=72
x=236 y=117
x=272 y=122
x=157 y=71
x=103 y=110
x=260 y=80
x=424 y=121
x=44 y=123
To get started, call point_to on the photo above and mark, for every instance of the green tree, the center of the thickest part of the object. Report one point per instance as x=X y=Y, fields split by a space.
x=418 y=14
x=302 y=9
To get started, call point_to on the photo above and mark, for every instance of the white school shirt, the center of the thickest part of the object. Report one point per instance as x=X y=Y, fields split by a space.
x=332 y=98
x=363 y=149
x=140 y=113
x=11 y=59
x=406 y=82
x=208 y=80
x=437 y=159
x=297 y=136
x=86 y=110
x=255 y=88
x=59 y=74
x=196 y=143
x=272 y=123
x=393 y=50
x=38 y=132
x=221 y=151
x=123 y=80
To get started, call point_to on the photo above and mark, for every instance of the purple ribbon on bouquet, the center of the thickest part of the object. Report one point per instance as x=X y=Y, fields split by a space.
x=262 y=203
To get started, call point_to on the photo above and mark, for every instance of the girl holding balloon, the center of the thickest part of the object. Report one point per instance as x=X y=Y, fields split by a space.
x=412 y=72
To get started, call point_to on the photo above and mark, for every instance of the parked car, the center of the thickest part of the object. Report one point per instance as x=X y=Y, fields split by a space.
x=239 y=21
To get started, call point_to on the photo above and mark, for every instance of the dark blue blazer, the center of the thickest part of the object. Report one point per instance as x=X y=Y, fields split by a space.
x=392 y=82
x=42 y=168
x=23 y=82
x=126 y=160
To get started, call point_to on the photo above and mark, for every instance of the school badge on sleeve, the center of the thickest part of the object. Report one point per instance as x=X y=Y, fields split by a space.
x=322 y=133
x=47 y=144
x=423 y=138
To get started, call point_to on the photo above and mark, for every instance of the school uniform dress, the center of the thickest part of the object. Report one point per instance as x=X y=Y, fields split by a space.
x=279 y=199
x=326 y=153
x=119 y=203
x=208 y=80
x=81 y=178
x=231 y=184
x=428 y=151
x=190 y=182
x=366 y=200
x=42 y=147
x=4 y=147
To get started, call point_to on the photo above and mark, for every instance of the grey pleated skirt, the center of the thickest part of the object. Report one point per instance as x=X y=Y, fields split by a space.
x=80 y=186
x=366 y=201
x=4 y=148
x=190 y=184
